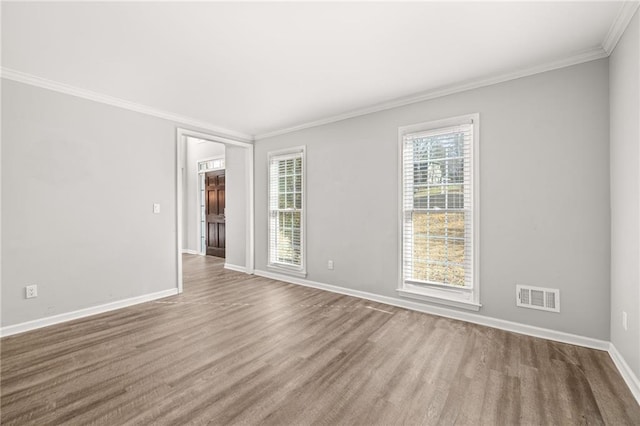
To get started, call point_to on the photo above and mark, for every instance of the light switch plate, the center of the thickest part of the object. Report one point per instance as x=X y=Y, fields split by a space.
x=156 y=208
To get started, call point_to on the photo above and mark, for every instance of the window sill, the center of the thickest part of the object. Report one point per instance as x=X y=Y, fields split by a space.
x=287 y=271
x=451 y=297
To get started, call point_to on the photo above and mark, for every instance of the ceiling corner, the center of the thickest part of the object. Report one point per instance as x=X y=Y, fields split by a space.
x=619 y=25
x=32 y=80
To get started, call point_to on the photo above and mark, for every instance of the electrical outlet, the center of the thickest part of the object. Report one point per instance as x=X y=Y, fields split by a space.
x=625 y=321
x=31 y=291
x=330 y=264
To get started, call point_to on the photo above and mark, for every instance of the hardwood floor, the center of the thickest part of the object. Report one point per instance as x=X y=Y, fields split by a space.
x=238 y=349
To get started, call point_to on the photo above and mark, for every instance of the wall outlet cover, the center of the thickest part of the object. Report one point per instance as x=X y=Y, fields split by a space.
x=31 y=291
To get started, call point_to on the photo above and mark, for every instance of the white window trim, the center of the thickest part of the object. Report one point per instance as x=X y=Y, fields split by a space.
x=465 y=298
x=204 y=160
x=300 y=271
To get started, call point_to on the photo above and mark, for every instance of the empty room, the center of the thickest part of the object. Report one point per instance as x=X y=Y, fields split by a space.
x=337 y=213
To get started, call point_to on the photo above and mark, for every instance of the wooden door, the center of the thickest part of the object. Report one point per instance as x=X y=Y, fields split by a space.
x=214 y=210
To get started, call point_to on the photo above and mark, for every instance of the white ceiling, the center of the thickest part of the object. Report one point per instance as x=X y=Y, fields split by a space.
x=257 y=68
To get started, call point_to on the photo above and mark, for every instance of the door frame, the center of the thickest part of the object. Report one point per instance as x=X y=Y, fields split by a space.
x=181 y=135
x=200 y=174
x=215 y=248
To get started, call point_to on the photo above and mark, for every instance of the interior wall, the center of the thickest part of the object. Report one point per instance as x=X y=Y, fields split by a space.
x=625 y=193
x=544 y=195
x=195 y=152
x=237 y=165
x=79 y=180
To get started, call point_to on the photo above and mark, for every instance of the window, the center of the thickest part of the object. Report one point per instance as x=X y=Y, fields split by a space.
x=209 y=165
x=286 y=210
x=439 y=212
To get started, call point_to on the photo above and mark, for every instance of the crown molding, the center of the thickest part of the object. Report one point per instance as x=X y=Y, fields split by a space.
x=585 y=56
x=619 y=25
x=44 y=83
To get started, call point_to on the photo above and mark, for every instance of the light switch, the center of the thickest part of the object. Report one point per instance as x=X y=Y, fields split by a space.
x=156 y=208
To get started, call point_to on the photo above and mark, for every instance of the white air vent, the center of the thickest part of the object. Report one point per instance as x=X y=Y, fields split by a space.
x=546 y=299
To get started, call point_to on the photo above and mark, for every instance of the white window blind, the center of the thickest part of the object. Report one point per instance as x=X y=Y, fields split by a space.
x=438 y=207
x=286 y=214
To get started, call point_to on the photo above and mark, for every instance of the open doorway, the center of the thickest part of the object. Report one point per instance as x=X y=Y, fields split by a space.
x=214 y=194
x=204 y=198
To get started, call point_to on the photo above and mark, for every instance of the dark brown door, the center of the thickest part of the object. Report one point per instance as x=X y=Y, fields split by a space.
x=215 y=202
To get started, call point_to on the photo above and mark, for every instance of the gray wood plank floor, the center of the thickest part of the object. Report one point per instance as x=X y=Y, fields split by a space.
x=238 y=349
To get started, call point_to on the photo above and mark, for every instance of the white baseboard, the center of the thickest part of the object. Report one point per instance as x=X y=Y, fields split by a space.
x=627 y=374
x=625 y=371
x=188 y=251
x=515 y=327
x=82 y=313
x=236 y=268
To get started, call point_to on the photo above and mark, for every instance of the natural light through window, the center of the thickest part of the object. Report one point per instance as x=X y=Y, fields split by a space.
x=439 y=210
x=286 y=210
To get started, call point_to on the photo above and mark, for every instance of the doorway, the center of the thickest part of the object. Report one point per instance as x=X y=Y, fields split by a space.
x=214 y=204
x=229 y=229
x=204 y=206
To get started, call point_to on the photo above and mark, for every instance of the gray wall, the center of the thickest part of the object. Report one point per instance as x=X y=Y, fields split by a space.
x=236 y=199
x=194 y=152
x=79 y=180
x=544 y=195
x=625 y=193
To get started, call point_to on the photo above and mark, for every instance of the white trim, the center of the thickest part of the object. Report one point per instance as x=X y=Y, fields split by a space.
x=236 y=268
x=83 y=313
x=626 y=372
x=181 y=135
x=250 y=239
x=189 y=251
x=287 y=271
x=200 y=188
x=179 y=180
x=44 y=83
x=292 y=152
x=514 y=327
x=213 y=138
x=585 y=56
x=619 y=25
x=441 y=300
x=439 y=124
x=204 y=160
x=469 y=298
